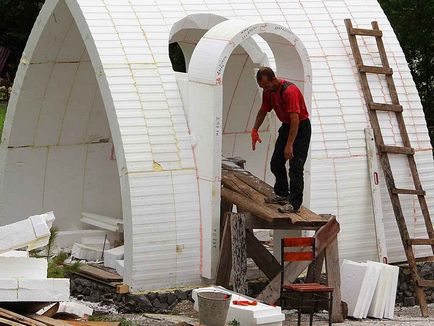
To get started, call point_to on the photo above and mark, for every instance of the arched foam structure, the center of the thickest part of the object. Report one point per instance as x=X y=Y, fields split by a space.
x=206 y=76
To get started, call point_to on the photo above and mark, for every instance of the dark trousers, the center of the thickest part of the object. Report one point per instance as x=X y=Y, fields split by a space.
x=296 y=164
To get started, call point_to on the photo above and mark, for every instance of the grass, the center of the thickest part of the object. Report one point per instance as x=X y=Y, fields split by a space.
x=106 y=318
x=2 y=116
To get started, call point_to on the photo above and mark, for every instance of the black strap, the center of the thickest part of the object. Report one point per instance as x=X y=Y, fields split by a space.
x=283 y=88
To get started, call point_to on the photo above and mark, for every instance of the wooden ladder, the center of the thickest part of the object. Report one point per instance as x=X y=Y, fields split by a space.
x=384 y=150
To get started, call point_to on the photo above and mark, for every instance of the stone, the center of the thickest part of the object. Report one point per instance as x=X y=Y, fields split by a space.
x=409 y=301
x=156 y=303
x=171 y=298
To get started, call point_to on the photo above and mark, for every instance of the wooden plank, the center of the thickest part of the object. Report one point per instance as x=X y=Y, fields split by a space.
x=253 y=222
x=325 y=235
x=245 y=204
x=4 y=321
x=49 y=321
x=99 y=273
x=365 y=32
x=19 y=318
x=334 y=278
x=239 y=252
x=92 y=323
x=420 y=242
x=264 y=259
x=375 y=70
x=397 y=149
x=399 y=191
x=385 y=107
x=50 y=312
x=425 y=283
x=224 y=265
x=122 y=288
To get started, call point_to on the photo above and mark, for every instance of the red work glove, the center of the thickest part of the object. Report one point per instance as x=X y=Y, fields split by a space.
x=255 y=138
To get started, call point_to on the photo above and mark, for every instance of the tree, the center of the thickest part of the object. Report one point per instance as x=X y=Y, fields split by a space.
x=16 y=21
x=413 y=23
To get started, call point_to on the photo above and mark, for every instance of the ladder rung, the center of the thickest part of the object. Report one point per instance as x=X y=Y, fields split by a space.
x=398 y=191
x=420 y=242
x=376 y=70
x=397 y=150
x=385 y=107
x=366 y=32
x=425 y=283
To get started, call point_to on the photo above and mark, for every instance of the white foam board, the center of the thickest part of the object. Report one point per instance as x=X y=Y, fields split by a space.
x=103 y=222
x=368 y=288
x=23 y=233
x=23 y=267
x=120 y=267
x=390 y=303
x=8 y=290
x=43 y=290
x=89 y=253
x=15 y=253
x=75 y=308
x=112 y=255
x=66 y=239
x=378 y=304
x=261 y=314
x=352 y=276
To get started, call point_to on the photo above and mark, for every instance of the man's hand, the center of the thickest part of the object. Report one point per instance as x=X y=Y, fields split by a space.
x=255 y=138
x=289 y=155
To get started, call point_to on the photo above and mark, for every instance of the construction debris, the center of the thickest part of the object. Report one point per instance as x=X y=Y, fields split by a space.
x=246 y=315
x=33 y=232
x=112 y=255
x=103 y=222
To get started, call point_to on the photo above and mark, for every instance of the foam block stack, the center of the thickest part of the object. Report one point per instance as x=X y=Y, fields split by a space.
x=22 y=278
x=369 y=289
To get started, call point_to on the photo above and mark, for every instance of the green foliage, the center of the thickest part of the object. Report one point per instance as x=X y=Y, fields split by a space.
x=16 y=21
x=108 y=318
x=2 y=116
x=413 y=23
x=56 y=266
x=234 y=323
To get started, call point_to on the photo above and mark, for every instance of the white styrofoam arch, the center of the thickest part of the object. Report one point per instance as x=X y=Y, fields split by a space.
x=206 y=71
x=124 y=44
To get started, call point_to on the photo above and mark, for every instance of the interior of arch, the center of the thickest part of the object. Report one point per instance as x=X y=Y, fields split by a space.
x=60 y=154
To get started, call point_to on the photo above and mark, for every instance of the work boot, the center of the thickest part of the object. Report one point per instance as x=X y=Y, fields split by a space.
x=276 y=199
x=288 y=208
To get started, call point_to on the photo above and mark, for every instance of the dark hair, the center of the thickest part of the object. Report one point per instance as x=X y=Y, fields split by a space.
x=267 y=72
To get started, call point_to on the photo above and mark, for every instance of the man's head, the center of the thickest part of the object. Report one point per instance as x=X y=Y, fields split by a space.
x=267 y=80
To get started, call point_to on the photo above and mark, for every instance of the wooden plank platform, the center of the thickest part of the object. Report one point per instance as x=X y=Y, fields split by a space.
x=248 y=192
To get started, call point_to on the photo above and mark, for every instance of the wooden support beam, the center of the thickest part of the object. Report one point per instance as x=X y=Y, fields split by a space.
x=397 y=150
x=239 y=252
x=224 y=266
x=334 y=278
x=398 y=191
x=325 y=234
x=266 y=262
x=420 y=242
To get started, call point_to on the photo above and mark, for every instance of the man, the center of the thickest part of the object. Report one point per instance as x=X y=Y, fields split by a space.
x=292 y=142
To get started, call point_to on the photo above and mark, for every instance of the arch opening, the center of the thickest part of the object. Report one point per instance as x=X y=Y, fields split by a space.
x=57 y=143
x=211 y=72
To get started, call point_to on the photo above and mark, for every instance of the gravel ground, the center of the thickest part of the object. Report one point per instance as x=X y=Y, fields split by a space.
x=185 y=315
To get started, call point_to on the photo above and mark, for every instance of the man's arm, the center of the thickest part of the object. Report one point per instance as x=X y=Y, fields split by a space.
x=293 y=130
x=259 y=120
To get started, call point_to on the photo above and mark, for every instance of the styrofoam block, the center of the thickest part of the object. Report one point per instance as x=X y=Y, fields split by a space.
x=15 y=253
x=390 y=303
x=112 y=255
x=23 y=267
x=43 y=290
x=120 y=267
x=8 y=290
x=75 y=308
x=352 y=276
x=368 y=288
x=261 y=314
x=89 y=253
x=22 y=234
x=103 y=222
x=66 y=239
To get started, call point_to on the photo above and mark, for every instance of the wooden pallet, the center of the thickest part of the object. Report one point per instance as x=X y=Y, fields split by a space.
x=385 y=150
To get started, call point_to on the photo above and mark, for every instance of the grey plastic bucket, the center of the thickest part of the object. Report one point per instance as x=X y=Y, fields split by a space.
x=213 y=308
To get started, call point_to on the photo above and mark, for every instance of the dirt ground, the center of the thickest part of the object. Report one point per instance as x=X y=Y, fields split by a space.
x=184 y=315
